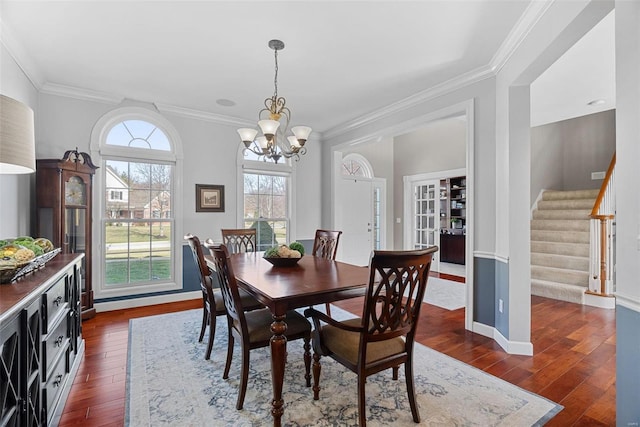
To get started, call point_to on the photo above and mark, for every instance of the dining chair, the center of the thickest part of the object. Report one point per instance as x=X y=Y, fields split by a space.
x=325 y=245
x=239 y=239
x=253 y=328
x=383 y=337
x=212 y=304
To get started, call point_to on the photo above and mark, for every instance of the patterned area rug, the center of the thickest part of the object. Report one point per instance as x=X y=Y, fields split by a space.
x=445 y=293
x=170 y=383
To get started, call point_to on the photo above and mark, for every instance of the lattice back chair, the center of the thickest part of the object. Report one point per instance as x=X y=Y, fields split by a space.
x=383 y=337
x=239 y=239
x=325 y=245
x=252 y=328
x=212 y=303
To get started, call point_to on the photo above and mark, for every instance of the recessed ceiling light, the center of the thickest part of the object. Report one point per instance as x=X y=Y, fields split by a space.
x=596 y=102
x=225 y=102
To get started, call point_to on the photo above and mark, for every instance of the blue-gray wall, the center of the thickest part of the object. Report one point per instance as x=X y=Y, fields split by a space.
x=627 y=367
x=484 y=294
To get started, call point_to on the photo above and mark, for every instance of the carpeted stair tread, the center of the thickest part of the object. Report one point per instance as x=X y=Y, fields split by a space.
x=566 y=204
x=560 y=261
x=559 y=291
x=559 y=224
x=570 y=194
x=572 y=249
x=567 y=214
x=560 y=275
x=560 y=236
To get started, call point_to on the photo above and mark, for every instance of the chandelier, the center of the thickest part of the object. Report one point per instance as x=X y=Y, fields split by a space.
x=271 y=145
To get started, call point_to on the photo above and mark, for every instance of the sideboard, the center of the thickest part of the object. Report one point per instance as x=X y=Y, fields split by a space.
x=41 y=343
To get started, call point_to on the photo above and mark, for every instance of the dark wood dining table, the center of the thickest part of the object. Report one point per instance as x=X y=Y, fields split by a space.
x=312 y=281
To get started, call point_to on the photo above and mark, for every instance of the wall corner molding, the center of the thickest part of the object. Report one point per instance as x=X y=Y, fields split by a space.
x=628 y=301
x=80 y=93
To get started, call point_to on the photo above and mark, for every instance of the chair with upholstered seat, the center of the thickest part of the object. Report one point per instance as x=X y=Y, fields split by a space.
x=239 y=239
x=383 y=337
x=325 y=245
x=253 y=329
x=212 y=304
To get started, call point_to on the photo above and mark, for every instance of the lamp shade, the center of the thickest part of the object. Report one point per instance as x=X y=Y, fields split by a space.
x=17 y=140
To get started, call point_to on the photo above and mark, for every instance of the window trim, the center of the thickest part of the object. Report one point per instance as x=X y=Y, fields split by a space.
x=286 y=168
x=100 y=151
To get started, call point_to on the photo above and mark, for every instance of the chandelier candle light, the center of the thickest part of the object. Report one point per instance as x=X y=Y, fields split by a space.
x=270 y=145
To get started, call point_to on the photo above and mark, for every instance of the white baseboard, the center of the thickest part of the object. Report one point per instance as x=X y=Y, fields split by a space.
x=511 y=347
x=601 y=302
x=141 y=302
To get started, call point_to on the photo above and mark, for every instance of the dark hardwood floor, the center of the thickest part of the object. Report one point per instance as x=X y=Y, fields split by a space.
x=573 y=362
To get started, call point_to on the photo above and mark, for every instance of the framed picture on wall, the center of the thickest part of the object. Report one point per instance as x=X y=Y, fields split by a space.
x=209 y=198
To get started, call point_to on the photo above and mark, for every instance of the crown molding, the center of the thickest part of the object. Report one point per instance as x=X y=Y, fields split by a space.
x=20 y=55
x=203 y=115
x=455 y=83
x=532 y=14
x=80 y=93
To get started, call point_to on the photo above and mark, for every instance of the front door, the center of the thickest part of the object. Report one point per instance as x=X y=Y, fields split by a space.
x=354 y=216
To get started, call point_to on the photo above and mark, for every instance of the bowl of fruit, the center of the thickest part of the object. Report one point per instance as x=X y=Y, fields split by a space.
x=283 y=255
x=22 y=255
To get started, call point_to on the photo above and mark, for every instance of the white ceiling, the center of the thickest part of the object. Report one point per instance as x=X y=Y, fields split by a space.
x=342 y=59
x=585 y=73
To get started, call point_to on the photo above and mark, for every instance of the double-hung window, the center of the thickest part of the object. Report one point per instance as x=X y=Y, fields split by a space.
x=138 y=196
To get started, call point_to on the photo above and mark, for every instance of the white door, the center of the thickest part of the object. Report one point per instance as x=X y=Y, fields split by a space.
x=426 y=217
x=354 y=216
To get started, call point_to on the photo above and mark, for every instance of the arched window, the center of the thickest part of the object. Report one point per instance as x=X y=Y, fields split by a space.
x=355 y=165
x=138 y=150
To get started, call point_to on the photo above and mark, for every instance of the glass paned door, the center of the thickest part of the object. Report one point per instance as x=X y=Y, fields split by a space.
x=426 y=216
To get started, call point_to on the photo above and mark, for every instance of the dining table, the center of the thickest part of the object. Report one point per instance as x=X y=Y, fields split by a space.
x=313 y=280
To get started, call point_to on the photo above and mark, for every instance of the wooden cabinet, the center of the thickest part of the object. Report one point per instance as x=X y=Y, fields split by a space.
x=452 y=248
x=63 y=200
x=40 y=341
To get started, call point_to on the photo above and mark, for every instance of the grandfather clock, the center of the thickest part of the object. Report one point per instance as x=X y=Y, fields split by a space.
x=63 y=201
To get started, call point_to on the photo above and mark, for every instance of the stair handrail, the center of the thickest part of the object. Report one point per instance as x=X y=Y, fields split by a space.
x=601 y=236
x=605 y=190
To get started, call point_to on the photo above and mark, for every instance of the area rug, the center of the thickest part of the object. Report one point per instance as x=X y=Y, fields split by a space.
x=445 y=293
x=170 y=384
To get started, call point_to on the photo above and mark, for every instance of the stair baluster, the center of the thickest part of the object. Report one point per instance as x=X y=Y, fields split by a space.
x=601 y=239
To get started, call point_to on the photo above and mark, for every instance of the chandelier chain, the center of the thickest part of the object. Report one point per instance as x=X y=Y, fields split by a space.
x=275 y=79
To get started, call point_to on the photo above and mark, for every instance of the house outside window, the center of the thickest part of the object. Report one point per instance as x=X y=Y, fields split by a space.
x=266 y=199
x=137 y=223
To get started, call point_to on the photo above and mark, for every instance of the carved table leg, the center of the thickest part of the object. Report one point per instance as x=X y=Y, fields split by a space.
x=278 y=355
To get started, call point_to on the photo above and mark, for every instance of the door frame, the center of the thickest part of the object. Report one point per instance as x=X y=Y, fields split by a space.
x=465 y=108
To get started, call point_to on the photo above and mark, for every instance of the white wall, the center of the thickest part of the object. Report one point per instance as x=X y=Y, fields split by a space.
x=439 y=146
x=15 y=190
x=210 y=157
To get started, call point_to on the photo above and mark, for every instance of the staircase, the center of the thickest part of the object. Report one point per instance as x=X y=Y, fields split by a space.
x=560 y=245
